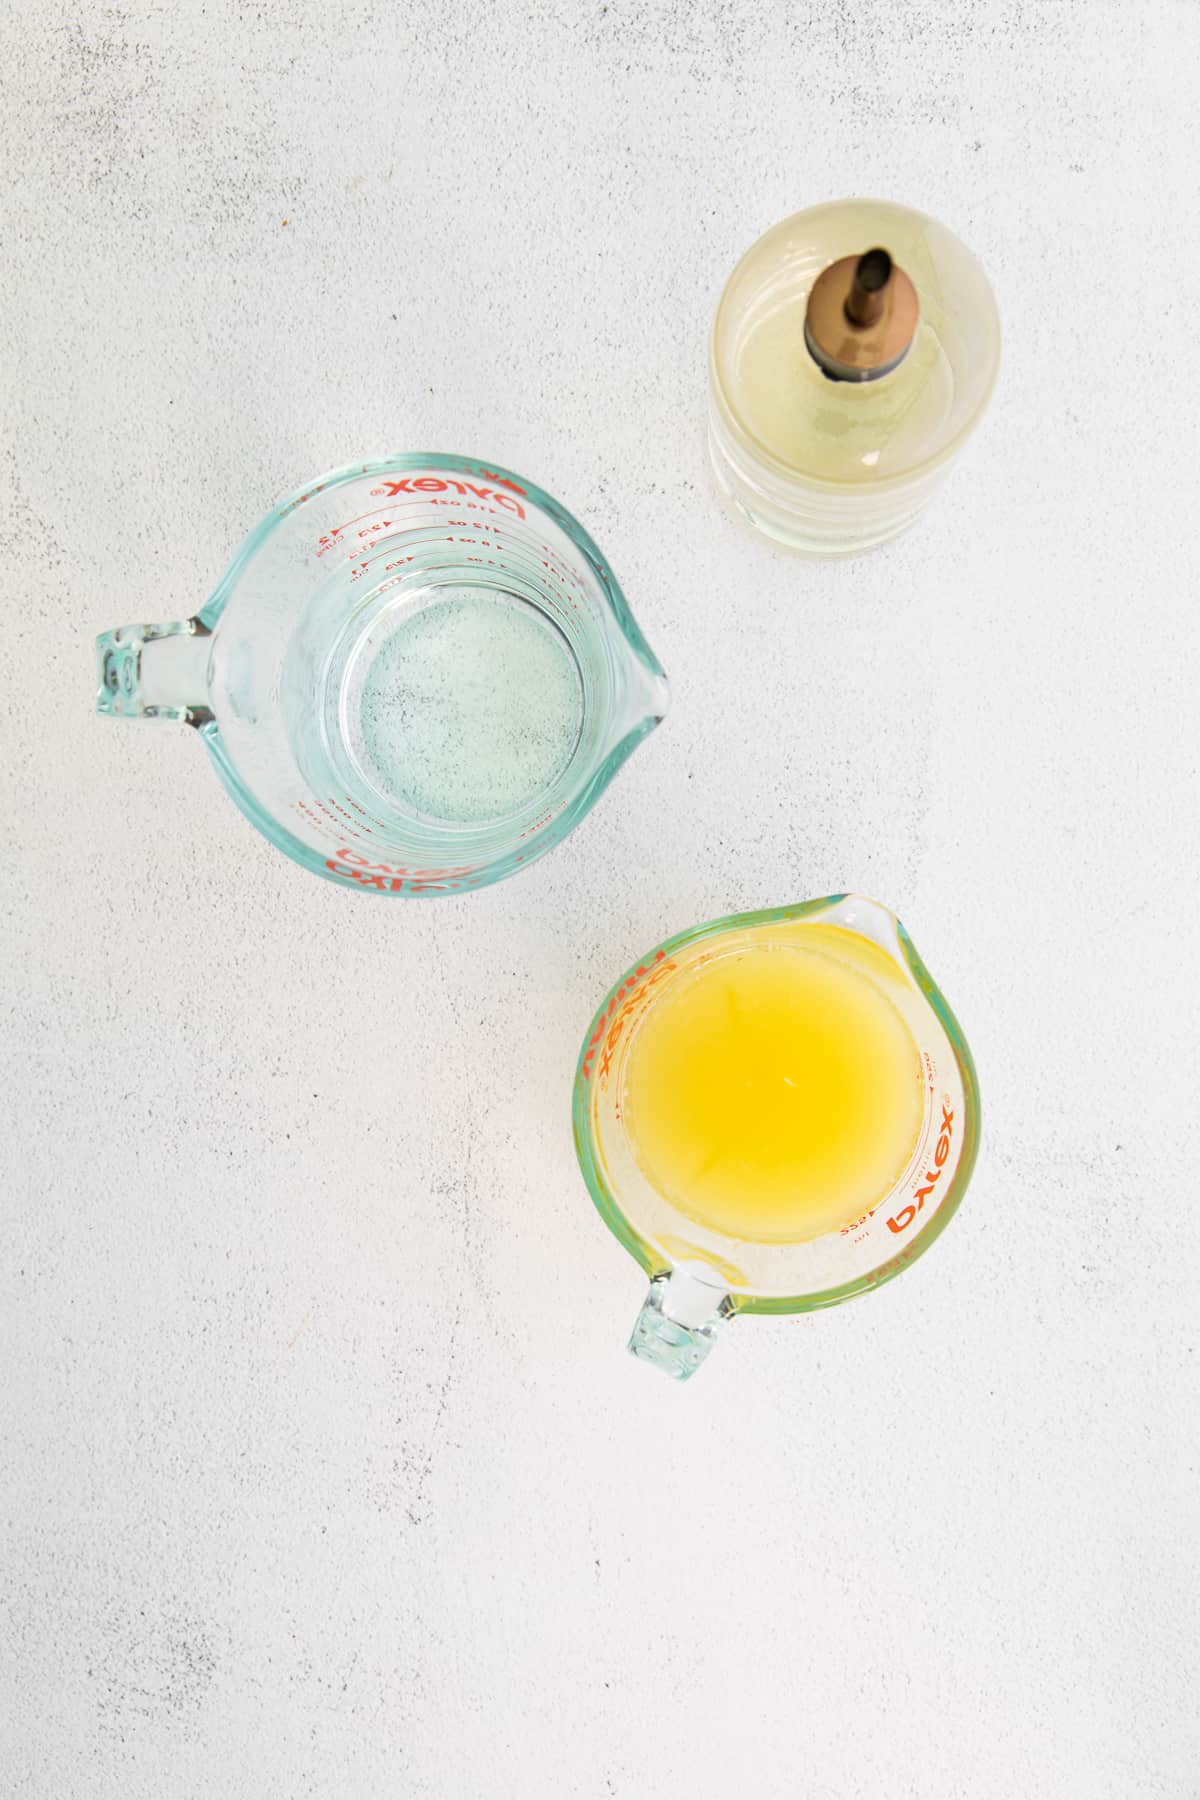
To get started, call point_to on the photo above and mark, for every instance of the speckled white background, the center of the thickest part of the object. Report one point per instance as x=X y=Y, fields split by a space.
x=324 y=1470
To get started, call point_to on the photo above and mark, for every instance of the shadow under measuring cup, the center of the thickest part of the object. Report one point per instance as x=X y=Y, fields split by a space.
x=416 y=676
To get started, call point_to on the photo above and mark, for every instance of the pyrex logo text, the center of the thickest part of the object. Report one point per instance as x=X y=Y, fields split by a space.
x=390 y=878
x=907 y=1214
x=437 y=484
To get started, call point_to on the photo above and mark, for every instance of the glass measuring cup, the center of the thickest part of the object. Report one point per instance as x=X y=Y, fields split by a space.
x=415 y=676
x=703 y=1269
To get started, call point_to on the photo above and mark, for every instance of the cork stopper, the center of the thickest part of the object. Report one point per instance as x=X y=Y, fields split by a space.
x=862 y=317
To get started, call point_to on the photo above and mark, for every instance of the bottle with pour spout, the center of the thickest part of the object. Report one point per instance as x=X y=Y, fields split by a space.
x=854 y=350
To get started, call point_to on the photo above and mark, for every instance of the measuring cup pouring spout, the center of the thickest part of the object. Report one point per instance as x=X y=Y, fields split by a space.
x=416 y=676
x=644 y=706
x=869 y=919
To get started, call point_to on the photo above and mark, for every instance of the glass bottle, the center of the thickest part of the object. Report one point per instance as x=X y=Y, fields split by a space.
x=854 y=349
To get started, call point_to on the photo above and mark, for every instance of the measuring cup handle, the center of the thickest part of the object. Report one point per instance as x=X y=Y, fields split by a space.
x=678 y=1323
x=155 y=672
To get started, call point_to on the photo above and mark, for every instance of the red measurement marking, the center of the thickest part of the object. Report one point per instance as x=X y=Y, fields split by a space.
x=632 y=995
x=323 y=820
x=350 y=801
x=329 y=540
x=890 y=1267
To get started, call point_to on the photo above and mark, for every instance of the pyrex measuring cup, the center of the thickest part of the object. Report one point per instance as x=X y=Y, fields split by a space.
x=415 y=676
x=704 y=1272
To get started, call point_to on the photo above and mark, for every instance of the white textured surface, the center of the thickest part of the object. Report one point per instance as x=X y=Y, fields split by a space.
x=324 y=1471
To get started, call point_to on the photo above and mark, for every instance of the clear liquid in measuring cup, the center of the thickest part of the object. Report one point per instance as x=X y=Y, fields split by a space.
x=437 y=698
x=464 y=704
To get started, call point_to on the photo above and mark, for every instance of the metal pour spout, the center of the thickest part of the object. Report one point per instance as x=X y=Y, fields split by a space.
x=862 y=317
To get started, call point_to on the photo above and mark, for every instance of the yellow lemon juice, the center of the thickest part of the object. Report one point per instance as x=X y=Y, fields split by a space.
x=773 y=1090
